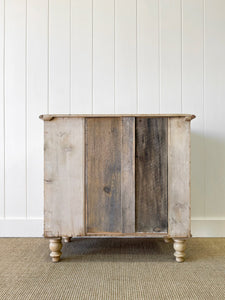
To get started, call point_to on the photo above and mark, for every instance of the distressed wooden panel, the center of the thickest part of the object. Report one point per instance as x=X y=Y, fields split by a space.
x=178 y=177
x=128 y=175
x=64 y=177
x=103 y=161
x=151 y=174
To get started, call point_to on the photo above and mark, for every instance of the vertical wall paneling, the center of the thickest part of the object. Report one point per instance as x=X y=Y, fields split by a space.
x=103 y=56
x=214 y=108
x=2 y=109
x=37 y=34
x=125 y=56
x=148 y=56
x=15 y=109
x=170 y=52
x=81 y=56
x=59 y=56
x=192 y=94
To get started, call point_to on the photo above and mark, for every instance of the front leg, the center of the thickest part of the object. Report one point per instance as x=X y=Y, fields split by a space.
x=55 y=245
x=179 y=246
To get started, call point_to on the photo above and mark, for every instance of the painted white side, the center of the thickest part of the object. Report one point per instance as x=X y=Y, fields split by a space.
x=111 y=56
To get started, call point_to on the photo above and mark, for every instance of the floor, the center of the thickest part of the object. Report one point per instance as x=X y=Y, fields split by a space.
x=112 y=269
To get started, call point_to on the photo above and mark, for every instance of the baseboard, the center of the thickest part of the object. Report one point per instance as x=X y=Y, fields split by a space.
x=207 y=227
x=34 y=227
x=21 y=228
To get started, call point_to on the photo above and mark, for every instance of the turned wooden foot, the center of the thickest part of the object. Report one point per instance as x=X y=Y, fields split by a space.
x=179 y=246
x=55 y=245
x=167 y=240
x=66 y=239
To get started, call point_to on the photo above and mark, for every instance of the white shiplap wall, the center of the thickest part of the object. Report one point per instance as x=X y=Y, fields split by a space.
x=109 y=56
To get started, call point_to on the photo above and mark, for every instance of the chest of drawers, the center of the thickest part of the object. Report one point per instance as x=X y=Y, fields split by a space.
x=117 y=175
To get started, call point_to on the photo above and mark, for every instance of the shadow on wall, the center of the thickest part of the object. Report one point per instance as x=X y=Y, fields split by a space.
x=207 y=175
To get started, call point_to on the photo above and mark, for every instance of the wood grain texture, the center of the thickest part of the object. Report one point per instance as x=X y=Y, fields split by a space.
x=64 y=177
x=178 y=177
x=103 y=174
x=128 y=175
x=151 y=175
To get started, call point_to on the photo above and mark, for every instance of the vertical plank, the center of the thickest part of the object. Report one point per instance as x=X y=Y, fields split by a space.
x=170 y=56
x=37 y=65
x=64 y=177
x=192 y=95
x=125 y=56
x=103 y=56
x=151 y=174
x=103 y=171
x=59 y=56
x=148 y=56
x=214 y=108
x=15 y=108
x=2 y=110
x=81 y=56
x=178 y=177
x=128 y=174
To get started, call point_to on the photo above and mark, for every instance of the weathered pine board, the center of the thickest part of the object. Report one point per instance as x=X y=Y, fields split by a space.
x=110 y=181
x=179 y=177
x=128 y=175
x=64 y=177
x=151 y=174
x=103 y=175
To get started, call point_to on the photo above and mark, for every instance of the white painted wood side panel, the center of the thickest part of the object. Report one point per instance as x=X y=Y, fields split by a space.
x=81 y=56
x=193 y=93
x=214 y=105
x=125 y=56
x=15 y=108
x=148 y=56
x=2 y=112
x=37 y=79
x=59 y=56
x=170 y=56
x=103 y=56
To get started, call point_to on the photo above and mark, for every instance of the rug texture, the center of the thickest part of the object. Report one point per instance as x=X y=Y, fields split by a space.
x=112 y=269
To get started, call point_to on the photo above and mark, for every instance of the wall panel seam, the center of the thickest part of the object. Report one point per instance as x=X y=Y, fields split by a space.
x=4 y=204
x=159 y=53
x=203 y=108
x=26 y=111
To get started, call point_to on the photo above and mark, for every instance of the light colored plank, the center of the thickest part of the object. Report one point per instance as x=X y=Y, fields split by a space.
x=81 y=56
x=148 y=56
x=59 y=56
x=192 y=95
x=2 y=112
x=103 y=56
x=178 y=177
x=125 y=56
x=48 y=117
x=64 y=177
x=15 y=108
x=170 y=56
x=128 y=175
x=214 y=106
x=37 y=33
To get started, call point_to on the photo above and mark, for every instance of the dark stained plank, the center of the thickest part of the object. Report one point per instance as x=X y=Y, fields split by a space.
x=151 y=174
x=128 y=175
x=103 y=174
